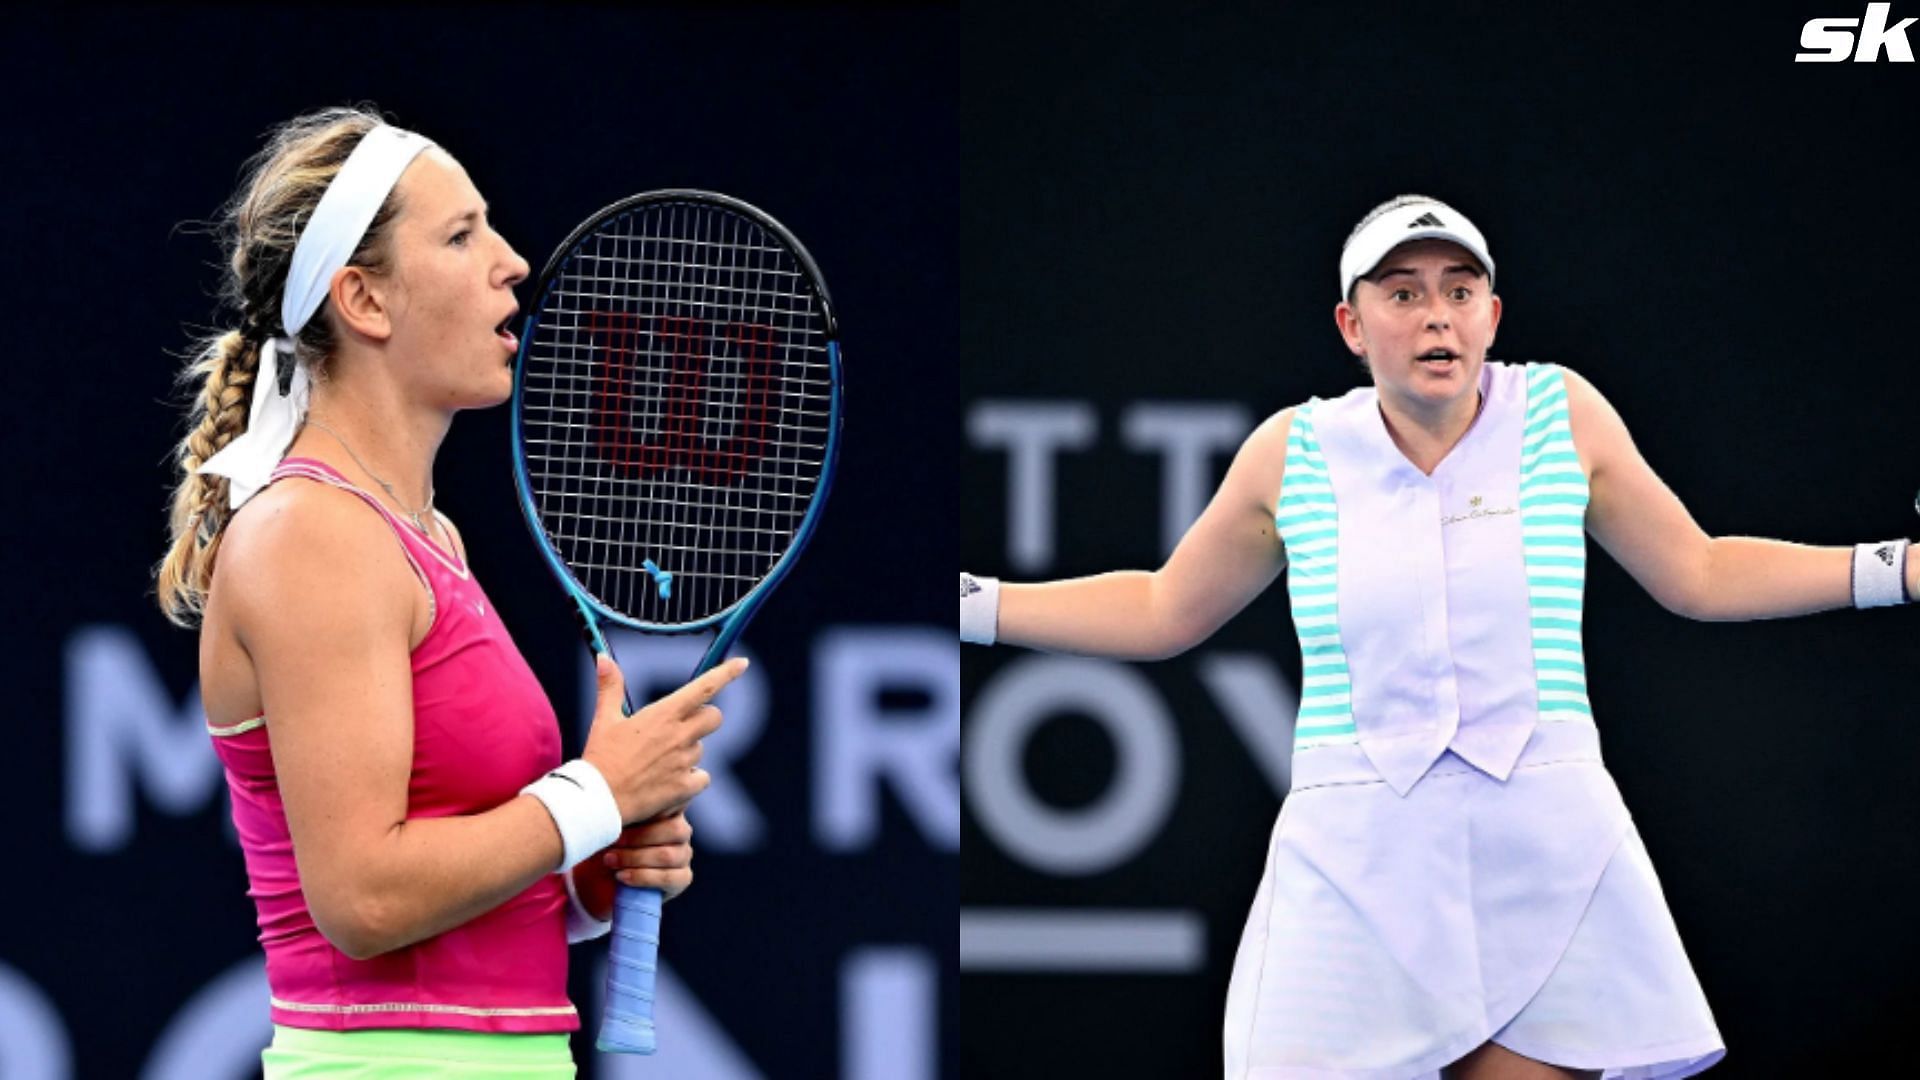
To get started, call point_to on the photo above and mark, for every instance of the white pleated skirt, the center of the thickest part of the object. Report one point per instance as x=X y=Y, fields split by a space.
x=1393 y=935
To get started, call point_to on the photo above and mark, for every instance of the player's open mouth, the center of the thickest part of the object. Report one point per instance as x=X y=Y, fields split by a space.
x=1438 y=358
x=506 y=335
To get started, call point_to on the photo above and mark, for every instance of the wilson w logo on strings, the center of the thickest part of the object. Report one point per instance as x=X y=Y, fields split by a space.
x=675 y=392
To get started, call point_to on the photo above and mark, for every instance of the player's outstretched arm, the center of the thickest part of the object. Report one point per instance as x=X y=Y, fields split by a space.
x=1644 y=526
x=1229 y=555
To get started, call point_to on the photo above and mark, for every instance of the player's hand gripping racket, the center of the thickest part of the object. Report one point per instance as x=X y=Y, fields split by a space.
x=676 y=415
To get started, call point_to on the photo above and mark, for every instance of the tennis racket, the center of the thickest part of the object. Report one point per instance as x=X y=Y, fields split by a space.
x=676 y=419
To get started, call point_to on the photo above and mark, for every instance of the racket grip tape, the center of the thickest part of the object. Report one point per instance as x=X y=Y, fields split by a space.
x=627 y=1025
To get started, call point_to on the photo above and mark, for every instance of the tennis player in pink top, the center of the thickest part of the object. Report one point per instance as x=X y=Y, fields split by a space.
x=419 y=854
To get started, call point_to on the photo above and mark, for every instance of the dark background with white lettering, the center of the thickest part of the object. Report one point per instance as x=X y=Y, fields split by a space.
x=1720 y=238
x=126 y=122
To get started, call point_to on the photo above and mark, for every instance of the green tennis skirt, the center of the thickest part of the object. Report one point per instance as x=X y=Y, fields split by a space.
x=413 y=1054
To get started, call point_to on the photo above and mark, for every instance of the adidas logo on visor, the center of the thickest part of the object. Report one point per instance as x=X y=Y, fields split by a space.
x=1426 y=219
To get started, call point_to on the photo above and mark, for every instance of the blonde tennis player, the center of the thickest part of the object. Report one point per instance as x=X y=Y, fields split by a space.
x=419 y=855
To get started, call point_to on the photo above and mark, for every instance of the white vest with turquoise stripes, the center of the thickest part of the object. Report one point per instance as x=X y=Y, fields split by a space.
x=1437 y=612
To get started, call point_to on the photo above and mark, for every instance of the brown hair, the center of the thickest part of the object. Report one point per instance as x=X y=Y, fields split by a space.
x=257 y=228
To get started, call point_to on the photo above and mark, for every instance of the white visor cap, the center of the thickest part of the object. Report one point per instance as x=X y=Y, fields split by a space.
x=1422 y=220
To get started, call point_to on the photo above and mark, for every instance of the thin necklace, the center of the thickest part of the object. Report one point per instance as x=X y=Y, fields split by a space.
x=414 y=514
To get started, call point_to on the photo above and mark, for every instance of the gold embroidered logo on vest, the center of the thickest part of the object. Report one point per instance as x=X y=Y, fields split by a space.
x=1475 y=510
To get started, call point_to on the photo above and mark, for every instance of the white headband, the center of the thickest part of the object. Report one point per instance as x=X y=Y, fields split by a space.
x=1428 y=218
x=327 y=241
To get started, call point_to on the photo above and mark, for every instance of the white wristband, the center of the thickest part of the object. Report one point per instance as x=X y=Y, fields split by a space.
x=583 y=808
x=1880 y=574
x=979 y=609
x=581 y=925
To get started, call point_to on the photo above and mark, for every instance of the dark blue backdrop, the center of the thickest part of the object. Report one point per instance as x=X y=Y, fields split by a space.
x=819 y=939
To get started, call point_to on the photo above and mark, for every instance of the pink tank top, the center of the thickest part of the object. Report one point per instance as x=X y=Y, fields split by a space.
x=482 y=729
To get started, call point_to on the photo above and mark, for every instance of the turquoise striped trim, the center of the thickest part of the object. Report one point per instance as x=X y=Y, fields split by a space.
x=1563 y=476
x=1553 y=457
x=1557 y=560
x=1549 y=460
x=1550 y=499
x=1307 y=516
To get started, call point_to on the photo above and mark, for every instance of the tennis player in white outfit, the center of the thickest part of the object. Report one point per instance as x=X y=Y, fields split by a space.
x=1454 y=886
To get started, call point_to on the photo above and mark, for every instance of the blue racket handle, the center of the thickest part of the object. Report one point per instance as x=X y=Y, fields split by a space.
x=627 y=1026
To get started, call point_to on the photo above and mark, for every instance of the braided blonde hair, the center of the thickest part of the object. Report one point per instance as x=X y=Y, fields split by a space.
x=258 y=228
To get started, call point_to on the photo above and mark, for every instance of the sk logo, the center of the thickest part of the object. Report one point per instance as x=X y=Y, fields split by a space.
x=1831 y=41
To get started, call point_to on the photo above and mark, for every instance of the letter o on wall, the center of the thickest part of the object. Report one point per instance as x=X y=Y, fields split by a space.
x=1114 y=827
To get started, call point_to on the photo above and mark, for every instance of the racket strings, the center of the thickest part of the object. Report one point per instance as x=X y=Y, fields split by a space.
x=675 y=409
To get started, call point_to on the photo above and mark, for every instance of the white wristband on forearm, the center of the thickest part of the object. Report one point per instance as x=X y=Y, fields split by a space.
x=583 y=808
x=979 y=609
x=581 y=925
x=1880 y=574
